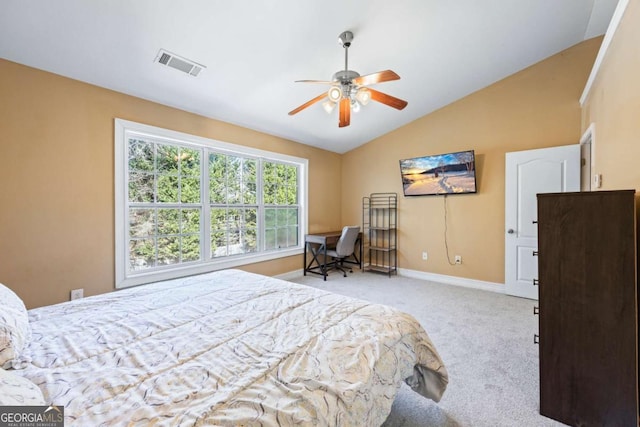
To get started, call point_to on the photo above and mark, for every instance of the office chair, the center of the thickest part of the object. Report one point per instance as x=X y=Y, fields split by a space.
x=344 y=248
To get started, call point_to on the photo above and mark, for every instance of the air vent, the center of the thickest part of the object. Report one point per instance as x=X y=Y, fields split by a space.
x=179 y=63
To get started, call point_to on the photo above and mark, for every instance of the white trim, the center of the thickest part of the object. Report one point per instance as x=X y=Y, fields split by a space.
x=608 y=37
x=423 y=275
x=453 y=280
x=589 y=135
x=123 y=278
x=201 y=268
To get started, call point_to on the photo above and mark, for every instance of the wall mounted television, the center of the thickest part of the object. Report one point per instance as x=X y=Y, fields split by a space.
x=439 y=174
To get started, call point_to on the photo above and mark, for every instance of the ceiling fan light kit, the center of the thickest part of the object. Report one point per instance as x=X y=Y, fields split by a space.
x=349 y=89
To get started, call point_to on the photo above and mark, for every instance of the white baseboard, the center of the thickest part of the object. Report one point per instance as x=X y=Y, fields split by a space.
x=452 y=280
x=423 y=275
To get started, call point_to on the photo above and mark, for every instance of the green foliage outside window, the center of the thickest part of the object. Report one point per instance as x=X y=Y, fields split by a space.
x=165 y=206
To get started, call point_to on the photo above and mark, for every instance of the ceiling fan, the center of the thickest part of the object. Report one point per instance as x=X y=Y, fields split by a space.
x=349 y=89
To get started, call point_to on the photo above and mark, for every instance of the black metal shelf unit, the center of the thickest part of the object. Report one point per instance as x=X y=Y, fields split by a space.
x=380 y=234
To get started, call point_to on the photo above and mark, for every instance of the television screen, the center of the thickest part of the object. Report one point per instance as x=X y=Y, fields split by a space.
x=452 y=173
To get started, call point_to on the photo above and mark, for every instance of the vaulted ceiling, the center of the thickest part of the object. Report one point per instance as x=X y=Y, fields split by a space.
x=254 y=50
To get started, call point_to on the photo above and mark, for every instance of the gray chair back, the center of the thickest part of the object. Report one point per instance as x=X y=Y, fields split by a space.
x=347 y=240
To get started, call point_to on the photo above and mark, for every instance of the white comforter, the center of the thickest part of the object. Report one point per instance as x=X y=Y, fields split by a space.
x=227 y=348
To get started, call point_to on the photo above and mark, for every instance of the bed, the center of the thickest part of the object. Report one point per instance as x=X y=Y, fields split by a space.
x=225 y=348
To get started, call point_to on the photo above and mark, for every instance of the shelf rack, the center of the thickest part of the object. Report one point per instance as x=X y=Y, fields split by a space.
x=380 y=234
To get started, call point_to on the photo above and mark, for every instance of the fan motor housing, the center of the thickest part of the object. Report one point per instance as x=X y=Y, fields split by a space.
x=345 y=76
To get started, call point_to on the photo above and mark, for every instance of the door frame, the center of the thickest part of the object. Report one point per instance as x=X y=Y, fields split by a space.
x=589 y=138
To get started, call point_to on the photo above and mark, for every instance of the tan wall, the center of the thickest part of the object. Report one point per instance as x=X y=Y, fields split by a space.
x=613 y=105
x=57 y=180
x=537 y=107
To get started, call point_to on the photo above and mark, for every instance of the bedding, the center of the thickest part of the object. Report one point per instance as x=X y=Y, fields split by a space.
x=18 y=391
x=15 y=330
x=227 y=348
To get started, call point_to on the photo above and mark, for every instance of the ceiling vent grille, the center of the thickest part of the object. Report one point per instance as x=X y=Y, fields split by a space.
x=179 y=63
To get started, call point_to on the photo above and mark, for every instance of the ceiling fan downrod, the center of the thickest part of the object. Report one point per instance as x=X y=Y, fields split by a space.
x=345 y=77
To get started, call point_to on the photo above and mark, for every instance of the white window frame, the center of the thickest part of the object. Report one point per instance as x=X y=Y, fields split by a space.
x=123 y=130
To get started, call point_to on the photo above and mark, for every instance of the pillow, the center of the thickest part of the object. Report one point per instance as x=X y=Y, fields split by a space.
x=15 y=331
x=17 y=391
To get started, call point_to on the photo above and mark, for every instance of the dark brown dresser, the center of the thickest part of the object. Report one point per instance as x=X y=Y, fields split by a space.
x=588 y=307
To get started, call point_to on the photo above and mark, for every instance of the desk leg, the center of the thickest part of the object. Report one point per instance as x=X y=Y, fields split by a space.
x=304 y=259
x=324 y=263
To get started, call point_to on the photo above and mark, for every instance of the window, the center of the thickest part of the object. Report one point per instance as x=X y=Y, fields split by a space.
x=186 y=204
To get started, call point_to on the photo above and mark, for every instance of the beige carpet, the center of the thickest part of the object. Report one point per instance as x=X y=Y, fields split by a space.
x=484 y=338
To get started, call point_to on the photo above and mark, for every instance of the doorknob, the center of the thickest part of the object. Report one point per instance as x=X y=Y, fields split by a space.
x=511 y=231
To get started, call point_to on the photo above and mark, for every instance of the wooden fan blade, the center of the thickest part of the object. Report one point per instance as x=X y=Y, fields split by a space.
x=308 y=103
x=324 y=82
x=389 y=100
x=379 y=77
x=345 y=112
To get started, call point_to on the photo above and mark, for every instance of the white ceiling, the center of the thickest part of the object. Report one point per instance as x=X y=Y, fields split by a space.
x=254 y=50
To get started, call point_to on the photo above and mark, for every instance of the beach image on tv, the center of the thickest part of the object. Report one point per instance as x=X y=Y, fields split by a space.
x=452 y=173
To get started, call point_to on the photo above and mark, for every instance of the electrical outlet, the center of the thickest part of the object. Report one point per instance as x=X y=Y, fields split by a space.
x=597 y=180
x=458 y=259
x=425 y=256
x=77 y=294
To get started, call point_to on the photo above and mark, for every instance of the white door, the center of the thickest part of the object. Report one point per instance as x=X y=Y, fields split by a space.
x=546 y=170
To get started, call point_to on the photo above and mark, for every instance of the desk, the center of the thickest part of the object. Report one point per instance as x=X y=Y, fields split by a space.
x=317 y=243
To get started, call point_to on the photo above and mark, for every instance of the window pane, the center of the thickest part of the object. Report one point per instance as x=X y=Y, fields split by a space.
x=167 y=189
x=270 y=239
x=190 y=220
x=281 y=215
x=281 y=195
x=269 y=172
x=292 y=234
x=142 y=254
x=250 y=240
x=218 y=167
x=249 y=171
x=234 y=242
x=234 y=193
x=292 y=175
x=250 y=194
x=142 y=222
x=250 y=218
x=292 y=195
x=168 y=159
x=217 y=192
x=282 y=237
x=190 y=162
x=292 y=216
x=218 y=244
x=190 y=191
x=218 y=219
x=234 y=168
x=168 y=221
x=168 y=250
x=141 y=187
x=281 y=173
x=234 y=218
x=140 y=156
x=270 y=218
x=270 y=194
x=191 y=248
